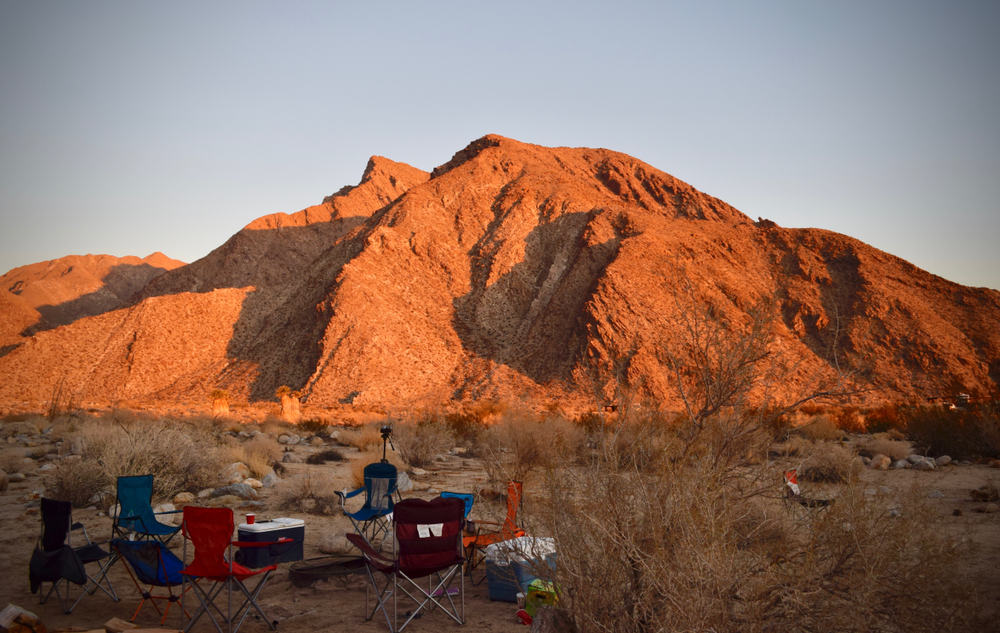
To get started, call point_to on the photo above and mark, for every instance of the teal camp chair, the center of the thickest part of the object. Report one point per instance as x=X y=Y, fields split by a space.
x=135 y=516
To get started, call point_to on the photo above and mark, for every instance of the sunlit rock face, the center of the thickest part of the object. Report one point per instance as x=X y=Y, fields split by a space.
x=513 y=271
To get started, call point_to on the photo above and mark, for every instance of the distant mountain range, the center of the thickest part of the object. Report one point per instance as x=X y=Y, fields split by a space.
x=513 y=271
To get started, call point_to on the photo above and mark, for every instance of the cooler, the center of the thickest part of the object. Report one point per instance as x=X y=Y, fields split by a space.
x=511 y=565
x=271 y=530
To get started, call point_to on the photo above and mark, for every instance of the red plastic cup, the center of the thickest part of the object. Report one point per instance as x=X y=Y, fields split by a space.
x=251 y=518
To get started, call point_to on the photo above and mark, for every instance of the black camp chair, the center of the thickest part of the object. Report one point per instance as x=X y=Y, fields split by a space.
x=55 y=559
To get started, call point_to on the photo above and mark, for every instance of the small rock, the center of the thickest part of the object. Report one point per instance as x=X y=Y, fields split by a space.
x=164 y=507
x=114 y=510
x=403 y=482
x=865 y=460
x=914 y=458
x=900 y=463
x=943 y=460
x=270 y=479
x=291 y=458
x=986 y=492
x=17 y=477
x=317 y=441
x=284 y=438
x=880 y=462
x=419 y=472
x=205 y=494
x=47 y=467
x=924 y=464
x=183 y=498
x=256 y=484
x=333 y=434
x=235 y=472
x=935 y=494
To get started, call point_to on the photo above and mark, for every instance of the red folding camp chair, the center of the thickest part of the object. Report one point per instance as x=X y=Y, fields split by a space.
x=210 y=530
x=489 y=532
x=428 y=544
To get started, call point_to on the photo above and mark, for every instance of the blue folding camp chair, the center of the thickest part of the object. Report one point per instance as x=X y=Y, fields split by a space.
x=466 y=497
x=135 y=516
x=372 y=520
x=152 y=564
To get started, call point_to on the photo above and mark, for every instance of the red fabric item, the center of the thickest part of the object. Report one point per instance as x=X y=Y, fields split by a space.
x=211 y=532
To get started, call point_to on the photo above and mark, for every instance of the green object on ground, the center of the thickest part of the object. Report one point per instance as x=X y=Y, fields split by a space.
x=540 y=593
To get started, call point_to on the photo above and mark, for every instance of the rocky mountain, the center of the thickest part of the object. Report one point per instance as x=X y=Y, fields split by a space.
x=514 y=271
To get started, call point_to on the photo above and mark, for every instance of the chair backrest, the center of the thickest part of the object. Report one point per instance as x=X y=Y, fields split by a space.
x=514 y=491
x=210 y=530
x=428 y=534
x=467 y=498
x=152 y=561
x=56 y=517
x=380 y=485
x=135 y=496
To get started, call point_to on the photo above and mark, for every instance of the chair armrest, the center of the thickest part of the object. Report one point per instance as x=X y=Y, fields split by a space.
x=169 y=512
x=367 y=550
x=343 y=494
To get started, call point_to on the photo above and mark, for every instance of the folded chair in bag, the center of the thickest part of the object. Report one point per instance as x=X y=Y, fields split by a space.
x=372 y=519
x=152 y=564
x=487 y=533
x=135 y=516
x=55 y=559
x=428 y=545
x=213 y=575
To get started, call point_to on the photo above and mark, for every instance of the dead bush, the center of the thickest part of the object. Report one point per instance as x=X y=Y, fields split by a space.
x=828 y=462
x=880 y=443
x=419 y=443
x=311 y=493
x=820 y=428
x=324 y=456
x=702 y=545
x=258 y=453
x=514 y=447
x=80 y=482
x=364 y=438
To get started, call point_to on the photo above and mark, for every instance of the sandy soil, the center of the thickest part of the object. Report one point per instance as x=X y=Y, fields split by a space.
x=337 y=605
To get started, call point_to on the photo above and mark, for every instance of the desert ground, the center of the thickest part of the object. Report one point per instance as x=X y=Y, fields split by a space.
x=337 y=604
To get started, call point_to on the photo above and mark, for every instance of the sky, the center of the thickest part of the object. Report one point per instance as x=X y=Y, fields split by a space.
x=129 y=127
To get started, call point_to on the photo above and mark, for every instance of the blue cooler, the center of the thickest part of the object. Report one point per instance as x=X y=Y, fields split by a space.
x=272 y=530
x=512 y=565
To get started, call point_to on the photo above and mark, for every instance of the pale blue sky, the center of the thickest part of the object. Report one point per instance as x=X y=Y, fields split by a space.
x=130 y=127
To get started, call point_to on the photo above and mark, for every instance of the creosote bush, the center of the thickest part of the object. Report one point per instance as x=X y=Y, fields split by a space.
x=420 y=442
x=968 y=433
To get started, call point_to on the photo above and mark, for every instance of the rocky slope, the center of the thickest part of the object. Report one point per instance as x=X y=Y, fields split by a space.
x=516 y=271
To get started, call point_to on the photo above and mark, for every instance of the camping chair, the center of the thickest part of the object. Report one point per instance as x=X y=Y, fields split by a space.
x=210 y=530
x=152 y=564
x=467 y=498
x=55 y=559
x=135 y=516
x=373 y=518
x=428 y=544
x=486 y=533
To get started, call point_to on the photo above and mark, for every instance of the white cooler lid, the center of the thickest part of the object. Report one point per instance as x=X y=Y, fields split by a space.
x=280 y=523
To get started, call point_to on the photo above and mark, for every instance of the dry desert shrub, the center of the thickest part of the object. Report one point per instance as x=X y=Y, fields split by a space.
x=880 y=443
x=80 y=482
x=180 y=456
x=968 y=433
x=828 y=462
x=312 y=493
x=514 y=447
x=324 y=456
x=820 y=427
x=364 y=438
x=420 y=442
x=703 y=545
x=12 y=460
x=258 y=453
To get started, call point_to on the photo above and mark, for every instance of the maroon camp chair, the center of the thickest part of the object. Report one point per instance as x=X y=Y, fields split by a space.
x=213 y=572
x=425 y=562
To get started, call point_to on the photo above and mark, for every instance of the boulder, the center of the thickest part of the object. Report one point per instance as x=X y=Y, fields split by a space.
x=943 y=460
x=880 y=462
x=403 y=482
x=924 y=464
x=235 y=473
x=183 y=498
x=269 y=480
x=256 y=484
x=900 y=463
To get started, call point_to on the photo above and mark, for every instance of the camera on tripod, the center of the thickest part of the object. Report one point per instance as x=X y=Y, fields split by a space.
x=386 y=431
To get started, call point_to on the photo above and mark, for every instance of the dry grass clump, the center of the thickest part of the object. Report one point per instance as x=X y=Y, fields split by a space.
x=364 y=438
x=828 y=462
x=312 y=493
x=258 y=453
x=419 y=443
x=702 y=545
x=12 y=461
x=880 y=443
x=182 y=457
x=820 y=427
x=80 y=482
